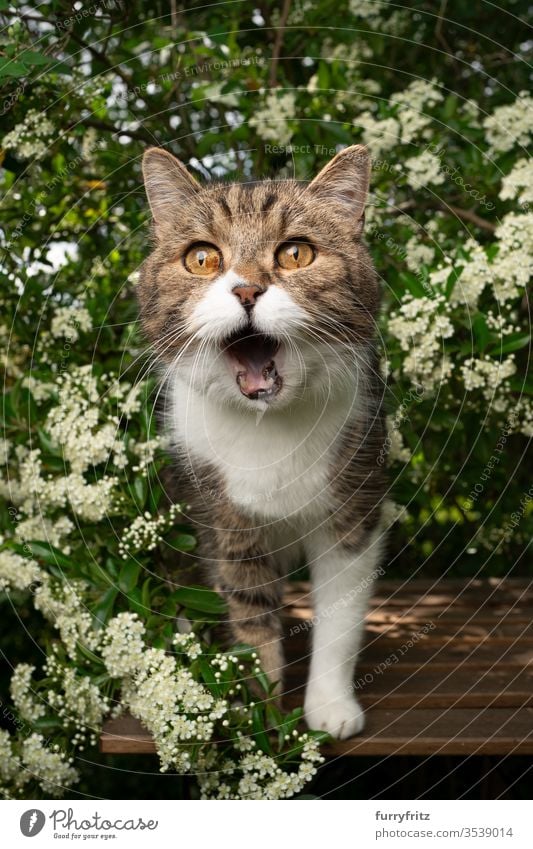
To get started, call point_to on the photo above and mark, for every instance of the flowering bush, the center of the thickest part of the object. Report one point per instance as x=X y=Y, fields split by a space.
x=87 y=532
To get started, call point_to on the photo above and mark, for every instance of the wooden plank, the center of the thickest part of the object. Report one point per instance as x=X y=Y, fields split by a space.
x=505 y=650
x=125 y=735
x=435 y=732
x=390 y=732
x=465 y=686
x=469 y=593
x=445 y=686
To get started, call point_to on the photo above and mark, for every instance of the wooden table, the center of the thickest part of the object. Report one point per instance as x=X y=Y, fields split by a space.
x=446 y=669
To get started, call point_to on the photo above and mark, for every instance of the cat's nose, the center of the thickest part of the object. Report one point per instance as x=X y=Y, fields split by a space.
x=247 y=295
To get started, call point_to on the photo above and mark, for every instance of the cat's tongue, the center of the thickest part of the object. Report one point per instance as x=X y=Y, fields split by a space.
x=253 y=361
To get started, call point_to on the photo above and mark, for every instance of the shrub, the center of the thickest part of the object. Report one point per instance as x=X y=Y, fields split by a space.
x=85 y=525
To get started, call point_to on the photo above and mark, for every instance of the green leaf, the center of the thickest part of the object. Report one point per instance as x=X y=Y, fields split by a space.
x=136 y=603
x=412 y=284
x=265 y=682
x=10 y=68
x=208 y=676
x=46 y=723
x=49 y=554
x=89 y=655
x=481 y=331
x=259 y=732
x=47 y=444
x=145 y=594
x=184 y=542
x=514 y=341
x=200 y=598
x=31 y=57
x=104 y=607
x=453 y=277
x=140 y=490
x=128 y=575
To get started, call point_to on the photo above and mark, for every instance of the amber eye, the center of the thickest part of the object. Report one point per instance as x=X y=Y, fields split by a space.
x=293 y=255
x=202 y=259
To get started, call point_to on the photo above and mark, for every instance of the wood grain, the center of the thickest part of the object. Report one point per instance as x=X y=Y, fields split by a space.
x=446 y=668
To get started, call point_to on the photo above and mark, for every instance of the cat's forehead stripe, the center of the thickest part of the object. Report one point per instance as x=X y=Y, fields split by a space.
x=268 y=202
x=225 y=208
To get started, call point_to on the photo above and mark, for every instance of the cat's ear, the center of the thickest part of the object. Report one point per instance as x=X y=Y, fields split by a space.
x=167 y=182
x=345 y=180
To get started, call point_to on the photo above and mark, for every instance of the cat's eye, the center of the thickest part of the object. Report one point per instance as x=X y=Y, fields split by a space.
x=202 y=259
x=293 y=255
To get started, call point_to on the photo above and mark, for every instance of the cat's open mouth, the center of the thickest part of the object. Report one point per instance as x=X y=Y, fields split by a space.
x=254 y=361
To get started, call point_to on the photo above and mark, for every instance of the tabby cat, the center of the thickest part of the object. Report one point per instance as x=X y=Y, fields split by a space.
x=260 y=301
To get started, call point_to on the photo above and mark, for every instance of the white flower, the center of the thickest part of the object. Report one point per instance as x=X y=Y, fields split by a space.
x=22 y=694
x=40 y=389
x=123 y=647
x=397 y=451
x=417 y=254
x=63 y=606
x=513 y=262
x=9 y=764
x=421 y=325
x=519 y=182
x=189 y=644
x=511 y=124
x=17 y=572
x=379 y=135
x=81 y=701
x=476 y=274
x=144 y=533
x=54 y=773
x=74 y=424
x=38 y=527
x=272 y=122
x=413 y=102
x=487 y=374
x=69 y=321
x=30 y=138
x=423 y=170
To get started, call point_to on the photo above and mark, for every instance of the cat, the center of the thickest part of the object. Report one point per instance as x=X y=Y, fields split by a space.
x=260 y=301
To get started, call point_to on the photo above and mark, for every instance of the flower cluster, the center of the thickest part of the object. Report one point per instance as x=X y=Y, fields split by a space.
x=510 y=125
x=489 y=375
x=413 y=103
x=519 y=182
x=23 y=695
x=69 y=322
x=421 y=325
x=145 y=532
x=274 y=121
x=123 y=645
x=30 y=139
x=423 y=170
x=18 y=572
x=259 y=776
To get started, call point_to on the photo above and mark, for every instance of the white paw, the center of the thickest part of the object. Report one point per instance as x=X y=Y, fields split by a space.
x=341 y=717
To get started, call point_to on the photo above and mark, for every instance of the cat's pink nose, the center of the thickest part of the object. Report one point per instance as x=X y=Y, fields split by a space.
x=247 y=295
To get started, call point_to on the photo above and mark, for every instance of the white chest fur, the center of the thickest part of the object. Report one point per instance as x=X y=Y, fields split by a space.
x=273 y=466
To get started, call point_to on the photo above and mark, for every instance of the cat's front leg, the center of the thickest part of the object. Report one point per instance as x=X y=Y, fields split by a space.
x=342 y=582
x=252 y=584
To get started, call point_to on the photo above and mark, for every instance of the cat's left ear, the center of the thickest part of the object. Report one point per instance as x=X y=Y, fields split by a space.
x=345 y=181
x=168 y=184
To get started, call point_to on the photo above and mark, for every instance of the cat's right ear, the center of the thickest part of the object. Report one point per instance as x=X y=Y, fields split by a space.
x=168 y=184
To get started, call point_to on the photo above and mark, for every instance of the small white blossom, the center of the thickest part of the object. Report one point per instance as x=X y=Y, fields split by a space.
x=53 y=772
x=273 y=121
x=68 y=322
x=28 y=706
x=511 y=124
x=423 y=170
